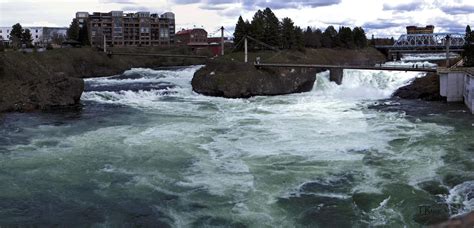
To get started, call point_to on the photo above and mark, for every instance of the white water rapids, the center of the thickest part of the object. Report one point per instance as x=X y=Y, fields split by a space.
x=147 y=146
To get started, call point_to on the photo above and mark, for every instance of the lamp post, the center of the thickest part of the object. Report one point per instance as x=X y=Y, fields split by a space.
x=448 y=43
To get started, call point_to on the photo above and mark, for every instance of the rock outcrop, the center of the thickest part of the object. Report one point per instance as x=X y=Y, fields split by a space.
x=44 y=80
x=26 y=86
x=425 y=88
x=240 y=80
x=229 y=77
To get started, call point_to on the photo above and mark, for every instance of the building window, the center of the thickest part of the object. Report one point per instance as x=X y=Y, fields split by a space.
x=36 y=32
x=36 y=36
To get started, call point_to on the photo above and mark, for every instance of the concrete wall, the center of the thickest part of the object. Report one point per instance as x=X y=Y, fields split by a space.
x=452 y=86
x=457 y=86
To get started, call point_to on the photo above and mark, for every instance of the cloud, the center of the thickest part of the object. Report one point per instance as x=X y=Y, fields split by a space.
x=138 y=9
x=116 y=1
x=382 y=24
x=252 y=5
x=285 y=4
x=460 y=9
x=412 y=6
x=185 y=2
x=450 y=25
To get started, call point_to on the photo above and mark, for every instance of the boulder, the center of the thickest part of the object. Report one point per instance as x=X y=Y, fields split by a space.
x=239 y=80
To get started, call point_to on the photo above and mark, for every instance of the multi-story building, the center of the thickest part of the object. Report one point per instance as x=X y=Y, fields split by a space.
x=5 y=34
x=40 y=35
x=420 y=30
x=170 y=17
x=130 y=29
x=192 y=37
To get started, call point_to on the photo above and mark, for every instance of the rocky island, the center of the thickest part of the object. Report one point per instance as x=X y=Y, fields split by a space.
x=231 y=78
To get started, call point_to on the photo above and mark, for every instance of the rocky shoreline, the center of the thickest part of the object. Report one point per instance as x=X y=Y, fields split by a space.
x=424 y=88
x=52 y=79
x=41 y=81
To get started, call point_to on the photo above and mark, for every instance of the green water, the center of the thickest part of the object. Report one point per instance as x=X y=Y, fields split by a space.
x=147 y=151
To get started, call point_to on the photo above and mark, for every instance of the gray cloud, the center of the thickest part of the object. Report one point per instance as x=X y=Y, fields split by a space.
x=284 y=4
x=382 y=24
x=413 y=6
x=252 y=5
x=454 y=10
x=450 y=25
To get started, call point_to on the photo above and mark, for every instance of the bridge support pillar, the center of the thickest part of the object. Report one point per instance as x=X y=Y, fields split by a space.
x=336 y=75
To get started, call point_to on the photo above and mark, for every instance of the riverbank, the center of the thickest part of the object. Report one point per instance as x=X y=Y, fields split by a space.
x=39 y=81
x=230 y=77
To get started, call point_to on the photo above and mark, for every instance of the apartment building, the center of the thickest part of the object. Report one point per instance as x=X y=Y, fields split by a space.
x=129 y=29
x=40 y=35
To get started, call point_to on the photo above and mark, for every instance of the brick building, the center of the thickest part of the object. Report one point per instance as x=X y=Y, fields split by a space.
x=192 y=37
x=130 y=29
x=420 y=30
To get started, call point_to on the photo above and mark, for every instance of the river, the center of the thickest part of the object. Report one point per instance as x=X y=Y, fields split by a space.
x=145 y=150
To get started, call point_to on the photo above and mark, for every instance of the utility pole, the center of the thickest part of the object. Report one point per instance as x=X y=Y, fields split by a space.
x=246 y=50
x=448 y=43
x=222 y=40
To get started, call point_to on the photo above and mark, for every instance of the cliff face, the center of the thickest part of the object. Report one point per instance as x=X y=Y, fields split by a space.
x=36 y=81
x=227 y=77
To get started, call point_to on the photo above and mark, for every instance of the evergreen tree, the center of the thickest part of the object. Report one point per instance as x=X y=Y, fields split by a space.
x=468 y=34
x=329 y=37
x=83 y=37
x=468 y=53
x=346 y=38
x=299 y=38
x=26 y=38
x=240 y=31
x=360 y=39
x=16 y=35
x=73 y=31
x=271 y=28
x=288 y=33
x=318 y=35
x=257 y=26
x=309 y=38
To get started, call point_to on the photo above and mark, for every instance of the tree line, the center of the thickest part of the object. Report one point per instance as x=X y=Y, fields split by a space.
x=20 y=36
x=266 y=27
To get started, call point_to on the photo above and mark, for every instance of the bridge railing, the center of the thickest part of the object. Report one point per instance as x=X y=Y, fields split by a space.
x=435 y=40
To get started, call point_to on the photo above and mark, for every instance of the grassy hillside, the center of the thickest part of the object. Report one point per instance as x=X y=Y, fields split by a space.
x=367 y=56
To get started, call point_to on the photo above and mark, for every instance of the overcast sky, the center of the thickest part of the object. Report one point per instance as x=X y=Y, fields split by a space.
x=378 y=17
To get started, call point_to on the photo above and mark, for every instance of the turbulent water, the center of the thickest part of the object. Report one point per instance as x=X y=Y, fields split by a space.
x=145 y=150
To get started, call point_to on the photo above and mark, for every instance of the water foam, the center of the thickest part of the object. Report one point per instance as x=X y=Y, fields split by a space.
x=328 y=128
